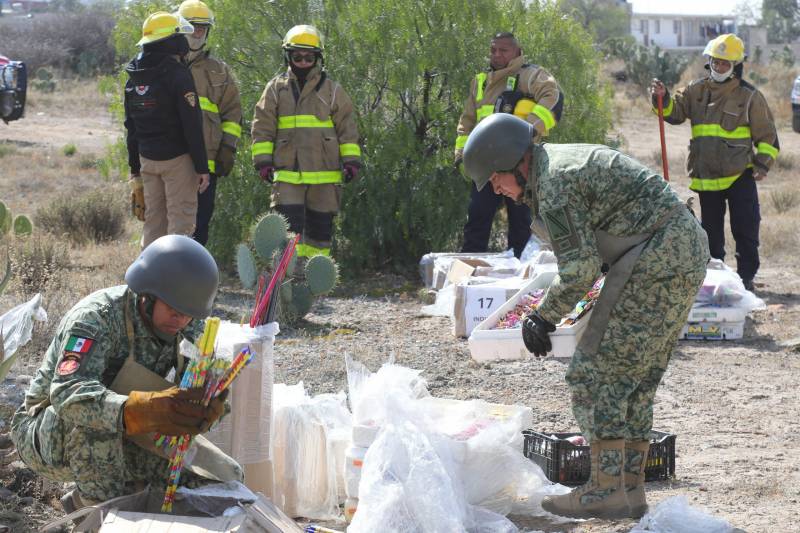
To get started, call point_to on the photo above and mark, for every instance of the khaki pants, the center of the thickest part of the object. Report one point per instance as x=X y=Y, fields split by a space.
x=170 y=197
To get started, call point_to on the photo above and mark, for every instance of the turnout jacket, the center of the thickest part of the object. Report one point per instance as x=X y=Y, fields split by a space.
x=162 y=112
x=486 y=87
x=218 y=97
x=732 y=129
x=306 y=135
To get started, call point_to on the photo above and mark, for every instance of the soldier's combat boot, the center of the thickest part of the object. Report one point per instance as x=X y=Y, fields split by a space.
x=635 y=463
x=604 y=496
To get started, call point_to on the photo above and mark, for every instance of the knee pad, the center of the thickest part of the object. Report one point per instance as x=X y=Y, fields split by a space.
x=295 y=214
x=319 y=226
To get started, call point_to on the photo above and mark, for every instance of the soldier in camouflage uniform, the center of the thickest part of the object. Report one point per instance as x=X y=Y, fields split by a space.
x=73 y=426
x=600 y=206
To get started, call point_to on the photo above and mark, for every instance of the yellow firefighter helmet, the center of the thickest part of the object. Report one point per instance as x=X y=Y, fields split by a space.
x=727 y=46
x=196 y=12
x=162 y=25
x=303 y=37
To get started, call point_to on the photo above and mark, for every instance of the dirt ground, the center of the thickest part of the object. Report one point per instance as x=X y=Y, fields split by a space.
x=733 y=404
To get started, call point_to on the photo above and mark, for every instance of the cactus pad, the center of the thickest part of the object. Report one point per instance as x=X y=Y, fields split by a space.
x=22 y=225
x=5 y=220
x=246 y=266
x=269 y=234
x=302 y=299
x=321 y=274
x=286 y=291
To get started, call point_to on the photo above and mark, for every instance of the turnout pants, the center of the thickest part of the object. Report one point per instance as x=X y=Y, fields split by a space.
x=310 y=210
x=480 y=215
x=170 y=197
x=742 y=198
x=613 y=389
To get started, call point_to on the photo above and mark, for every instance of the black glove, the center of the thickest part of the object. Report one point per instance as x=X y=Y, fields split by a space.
x=535 y=334
x=225 y=159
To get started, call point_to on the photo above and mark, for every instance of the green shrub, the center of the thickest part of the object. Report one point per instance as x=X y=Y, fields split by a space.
x=407 y=65
x=643 y=63
x=36 y=260
x=6 y=149
x=98 y=216
x=69 y=150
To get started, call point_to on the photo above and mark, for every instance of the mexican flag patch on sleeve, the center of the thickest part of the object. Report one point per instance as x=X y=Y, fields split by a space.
x=77 y=344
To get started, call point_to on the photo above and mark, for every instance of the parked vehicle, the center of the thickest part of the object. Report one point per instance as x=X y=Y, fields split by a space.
x=13 y=88
x=796 y=105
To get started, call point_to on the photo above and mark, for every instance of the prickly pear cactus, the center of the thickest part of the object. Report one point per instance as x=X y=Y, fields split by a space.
x=22 y=225
x=304 y=281
x=5 y=219
x=3 y=283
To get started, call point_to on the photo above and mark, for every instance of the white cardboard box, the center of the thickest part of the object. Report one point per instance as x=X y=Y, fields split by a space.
x=474 y=303
x=716 y=314
x=487 y=344
x=712 y=331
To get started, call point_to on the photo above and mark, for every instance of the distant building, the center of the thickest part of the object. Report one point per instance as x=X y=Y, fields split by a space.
x=656 y=23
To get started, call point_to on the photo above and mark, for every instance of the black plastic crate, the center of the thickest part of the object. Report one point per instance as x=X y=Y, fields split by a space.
x=568 y=464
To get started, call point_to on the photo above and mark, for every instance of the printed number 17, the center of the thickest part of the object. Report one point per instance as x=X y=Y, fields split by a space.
x=487 y=301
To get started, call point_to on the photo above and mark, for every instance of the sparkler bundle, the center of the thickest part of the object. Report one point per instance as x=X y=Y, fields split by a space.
x=214 y=376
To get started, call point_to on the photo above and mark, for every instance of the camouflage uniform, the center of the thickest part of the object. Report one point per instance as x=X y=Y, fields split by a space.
x=78 y=436
x=579 y=190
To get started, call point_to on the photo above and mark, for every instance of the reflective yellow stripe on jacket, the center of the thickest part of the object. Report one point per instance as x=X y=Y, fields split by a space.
x=484 y=110
x=309 y=178
x=713 y=184
x=263 y=148
x=303 y=121
x=767 y=149
x=212 y=166
x=545 y=115
x=715 y=130
x=208 y=105
x=349 y=150
x=232 y=128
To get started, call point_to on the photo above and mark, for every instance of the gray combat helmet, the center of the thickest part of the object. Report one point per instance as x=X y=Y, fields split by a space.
x=496 y=144
x=179 y=271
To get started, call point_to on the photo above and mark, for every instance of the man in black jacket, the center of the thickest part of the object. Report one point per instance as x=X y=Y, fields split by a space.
x=166 y=151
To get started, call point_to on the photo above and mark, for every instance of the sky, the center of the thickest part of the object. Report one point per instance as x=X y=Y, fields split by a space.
x=693 y=7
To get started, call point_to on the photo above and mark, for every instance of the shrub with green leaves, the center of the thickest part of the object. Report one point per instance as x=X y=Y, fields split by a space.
x=97 y=216
x=407 y=65
x=643 y=63
x=261 y=254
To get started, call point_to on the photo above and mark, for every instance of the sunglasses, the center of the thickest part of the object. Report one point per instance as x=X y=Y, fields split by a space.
x=299 y=57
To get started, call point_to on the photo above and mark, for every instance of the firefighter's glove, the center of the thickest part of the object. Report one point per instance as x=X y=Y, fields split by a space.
x=172 y=411
x=137 y=197
x=225 y=159
x=536 y=334
x=351 y=172
x=216 y=408
x=267 y=173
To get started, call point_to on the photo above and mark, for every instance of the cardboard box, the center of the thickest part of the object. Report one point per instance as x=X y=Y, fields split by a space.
x=473 y=303
x=462 y=269
x=142 y=512
x=435 y=278
x=716 y=314
x=712 y=331
x=487 y=344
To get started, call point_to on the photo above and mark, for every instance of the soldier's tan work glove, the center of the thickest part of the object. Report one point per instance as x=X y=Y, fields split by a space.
x=172 y=411
x=215 y=410
x=137 y=197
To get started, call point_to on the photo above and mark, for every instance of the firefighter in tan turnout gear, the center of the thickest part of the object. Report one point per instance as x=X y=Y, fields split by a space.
x=218 y=97
x=509 y=86
x=305 y=141
x=734 y=144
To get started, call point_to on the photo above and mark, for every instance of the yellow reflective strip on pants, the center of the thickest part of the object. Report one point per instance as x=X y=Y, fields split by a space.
x=712 y=184
x=715 y=130
x=306 y=250
x=484 y=111
x=349 y=149
x=263 y=148
x=768 y=149
x=208 y=105
x=232 y=128
x=461 y=140
x=303 y=121
x=545 y=115
x=309 y=178
x=212 y=166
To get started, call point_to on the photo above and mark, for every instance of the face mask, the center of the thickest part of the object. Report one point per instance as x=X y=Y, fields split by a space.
x=195 y=43
x=716 y=76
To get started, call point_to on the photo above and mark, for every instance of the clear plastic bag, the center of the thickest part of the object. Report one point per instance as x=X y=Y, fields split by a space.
x=16 y=329
x=675 y=515
x=723 y=287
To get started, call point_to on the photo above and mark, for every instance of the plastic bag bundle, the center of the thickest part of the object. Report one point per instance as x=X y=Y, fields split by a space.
x=723 y=287
x=675 y=515
x=16 y=329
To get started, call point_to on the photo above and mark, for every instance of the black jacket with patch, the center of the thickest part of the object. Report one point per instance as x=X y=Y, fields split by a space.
x=162 y=112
